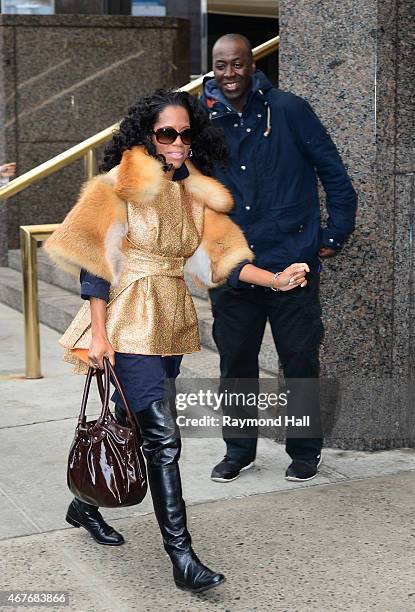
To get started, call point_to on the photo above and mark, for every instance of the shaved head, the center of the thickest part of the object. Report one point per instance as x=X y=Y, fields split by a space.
x=232 y=38
x=233 y=65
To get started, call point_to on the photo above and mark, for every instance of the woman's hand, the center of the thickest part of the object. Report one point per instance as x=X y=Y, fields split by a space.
x=100 y=347
x=291 y=277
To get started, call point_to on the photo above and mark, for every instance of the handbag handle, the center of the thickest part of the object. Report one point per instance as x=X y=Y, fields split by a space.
x=104 y=400
x=109 y=374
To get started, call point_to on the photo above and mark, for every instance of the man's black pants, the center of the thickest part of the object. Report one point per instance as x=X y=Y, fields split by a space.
x=240 y=316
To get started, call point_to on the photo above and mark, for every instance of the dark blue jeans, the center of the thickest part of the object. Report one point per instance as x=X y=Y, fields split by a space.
x=240 y=316
x=145 y=378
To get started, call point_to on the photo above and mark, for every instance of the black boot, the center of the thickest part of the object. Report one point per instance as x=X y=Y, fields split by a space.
x=85 y=515
x=161 y=447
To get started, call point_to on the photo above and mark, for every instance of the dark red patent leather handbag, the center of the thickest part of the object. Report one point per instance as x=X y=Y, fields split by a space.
x=106 y=466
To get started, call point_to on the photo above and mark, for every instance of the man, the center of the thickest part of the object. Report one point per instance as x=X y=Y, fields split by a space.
x=278 y=148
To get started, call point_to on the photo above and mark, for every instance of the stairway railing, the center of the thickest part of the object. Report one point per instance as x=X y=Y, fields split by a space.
x=30 y=235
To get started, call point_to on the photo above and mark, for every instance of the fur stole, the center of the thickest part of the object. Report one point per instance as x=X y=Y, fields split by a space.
x=92 y=234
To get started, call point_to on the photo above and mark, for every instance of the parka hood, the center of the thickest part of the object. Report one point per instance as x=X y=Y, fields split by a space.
x=212 y=92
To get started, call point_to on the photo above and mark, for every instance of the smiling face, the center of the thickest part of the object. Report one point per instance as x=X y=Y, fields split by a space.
x=175 y=117
x=233 y=67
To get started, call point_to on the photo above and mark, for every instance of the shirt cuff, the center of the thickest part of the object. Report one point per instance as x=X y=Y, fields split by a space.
x=233 y=278
x=331 y=239
x=94 y=286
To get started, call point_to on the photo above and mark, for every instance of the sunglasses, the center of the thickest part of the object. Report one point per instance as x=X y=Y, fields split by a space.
x=168 y=135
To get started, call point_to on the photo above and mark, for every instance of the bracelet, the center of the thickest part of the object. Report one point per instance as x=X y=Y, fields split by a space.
x=273 y=280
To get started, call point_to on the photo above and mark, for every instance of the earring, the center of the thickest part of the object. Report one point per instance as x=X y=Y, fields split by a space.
x=190 y=154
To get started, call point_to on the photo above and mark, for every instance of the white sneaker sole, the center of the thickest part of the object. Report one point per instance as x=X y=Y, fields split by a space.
x=219 y=479
x=294 y=479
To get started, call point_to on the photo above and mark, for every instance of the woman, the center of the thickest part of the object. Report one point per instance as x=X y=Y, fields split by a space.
x=130 y=234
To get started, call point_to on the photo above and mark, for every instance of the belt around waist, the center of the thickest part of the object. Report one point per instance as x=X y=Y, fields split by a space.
x=141 y=264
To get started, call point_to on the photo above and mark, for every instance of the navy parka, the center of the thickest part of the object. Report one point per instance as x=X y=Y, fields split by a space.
x=278 y=148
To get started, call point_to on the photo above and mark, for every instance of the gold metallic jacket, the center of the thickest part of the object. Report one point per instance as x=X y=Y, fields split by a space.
x=138 y=230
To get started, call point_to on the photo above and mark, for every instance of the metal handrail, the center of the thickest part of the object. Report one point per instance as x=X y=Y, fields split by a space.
x=80 y=150
x=31 y=235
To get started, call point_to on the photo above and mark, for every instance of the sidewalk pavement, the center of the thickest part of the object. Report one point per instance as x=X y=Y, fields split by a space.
x=344 y=541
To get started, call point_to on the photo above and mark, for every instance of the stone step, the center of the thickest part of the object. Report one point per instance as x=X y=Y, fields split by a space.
x=58 y=305
x=47 y=271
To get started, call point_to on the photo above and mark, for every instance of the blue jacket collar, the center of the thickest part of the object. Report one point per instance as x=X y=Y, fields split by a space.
x=213 y=94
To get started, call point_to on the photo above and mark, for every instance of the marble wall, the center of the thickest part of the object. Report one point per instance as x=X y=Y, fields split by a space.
x=192 y=10
x=353 y=61
x=64 y=78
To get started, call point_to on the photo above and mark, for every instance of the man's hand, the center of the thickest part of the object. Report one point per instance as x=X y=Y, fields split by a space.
x=326 y=252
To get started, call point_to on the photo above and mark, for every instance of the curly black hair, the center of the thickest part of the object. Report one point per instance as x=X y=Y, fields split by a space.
x=208 y=147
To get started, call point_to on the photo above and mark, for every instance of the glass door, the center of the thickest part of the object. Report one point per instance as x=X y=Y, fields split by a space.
x=148 y=8
x=28 y=7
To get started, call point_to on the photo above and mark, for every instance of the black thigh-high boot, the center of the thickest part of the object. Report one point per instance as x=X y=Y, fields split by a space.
x=81 y=514
x=161 y=447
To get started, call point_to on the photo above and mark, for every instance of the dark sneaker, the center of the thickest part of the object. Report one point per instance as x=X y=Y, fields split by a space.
x=300 y=471
x=228 y=470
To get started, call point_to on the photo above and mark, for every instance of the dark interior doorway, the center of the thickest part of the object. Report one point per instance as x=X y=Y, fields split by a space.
x=257 y=29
